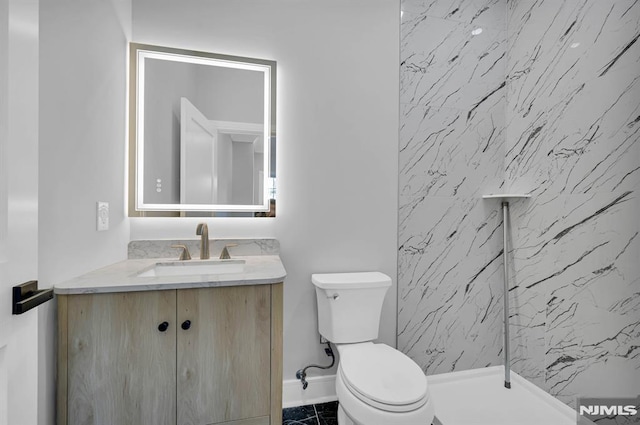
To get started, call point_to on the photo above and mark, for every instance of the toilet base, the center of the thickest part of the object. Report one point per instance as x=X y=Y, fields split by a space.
x=343 y=419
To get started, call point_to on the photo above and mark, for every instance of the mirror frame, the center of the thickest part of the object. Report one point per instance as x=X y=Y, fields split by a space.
x=136 y=206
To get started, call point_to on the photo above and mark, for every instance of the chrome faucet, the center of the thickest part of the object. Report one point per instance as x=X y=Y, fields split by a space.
x=203 y=231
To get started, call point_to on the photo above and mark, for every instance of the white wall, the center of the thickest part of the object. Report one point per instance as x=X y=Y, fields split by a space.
x=83 y=49
x=18 y=206
x=337 y=125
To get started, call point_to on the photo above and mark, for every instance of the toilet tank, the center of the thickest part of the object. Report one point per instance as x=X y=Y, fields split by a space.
x=350 y=304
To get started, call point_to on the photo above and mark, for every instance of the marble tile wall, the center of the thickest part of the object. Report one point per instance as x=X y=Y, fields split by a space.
x=545 y=100
x=162 y=248
x=451 y=152
x=573 y=142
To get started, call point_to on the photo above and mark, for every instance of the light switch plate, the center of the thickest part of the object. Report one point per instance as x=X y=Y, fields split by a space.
x=102 y=216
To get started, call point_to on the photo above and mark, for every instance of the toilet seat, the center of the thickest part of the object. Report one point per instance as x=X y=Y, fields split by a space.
x=382 y=377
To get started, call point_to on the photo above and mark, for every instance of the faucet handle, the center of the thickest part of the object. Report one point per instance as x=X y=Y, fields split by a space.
x=184 y=255
x=224 y=255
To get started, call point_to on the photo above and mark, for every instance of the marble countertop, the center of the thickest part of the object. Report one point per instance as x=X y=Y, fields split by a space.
x=123 y=277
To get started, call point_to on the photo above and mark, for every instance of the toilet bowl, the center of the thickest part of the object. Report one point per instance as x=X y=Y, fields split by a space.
x=375 y=383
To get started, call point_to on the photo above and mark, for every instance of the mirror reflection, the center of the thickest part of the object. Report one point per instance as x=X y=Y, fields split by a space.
x=204 y=132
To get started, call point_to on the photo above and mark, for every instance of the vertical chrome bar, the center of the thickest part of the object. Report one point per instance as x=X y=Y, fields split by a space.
x=507 y=359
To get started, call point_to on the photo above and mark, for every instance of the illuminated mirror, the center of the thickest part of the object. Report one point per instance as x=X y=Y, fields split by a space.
x=202 y=133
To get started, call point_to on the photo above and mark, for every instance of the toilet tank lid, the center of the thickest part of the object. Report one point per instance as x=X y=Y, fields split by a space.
x=351 y=280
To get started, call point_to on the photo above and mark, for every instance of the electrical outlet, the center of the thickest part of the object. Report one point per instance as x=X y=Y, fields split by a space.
x=102 y=216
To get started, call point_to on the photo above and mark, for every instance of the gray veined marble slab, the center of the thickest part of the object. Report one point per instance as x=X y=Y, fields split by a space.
x=575 y=298
x=573 y=137
x=446 y=152
x=450 y=292
x=590 y=351
x=444 y=65
x=576 y=241
x=573 y=90
x=482 y=13
x=573 y=146
x=562 y=123
x=124 y=277
x=556 y=46
x=161 y=248
x=451 y=152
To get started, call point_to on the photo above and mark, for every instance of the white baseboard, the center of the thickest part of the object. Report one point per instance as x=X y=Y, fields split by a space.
x=321 y=389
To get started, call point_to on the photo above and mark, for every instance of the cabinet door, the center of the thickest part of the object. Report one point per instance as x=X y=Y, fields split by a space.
x=120 y=367
x=224 y=360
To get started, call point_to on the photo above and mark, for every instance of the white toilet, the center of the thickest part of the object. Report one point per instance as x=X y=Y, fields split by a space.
x=376 y=384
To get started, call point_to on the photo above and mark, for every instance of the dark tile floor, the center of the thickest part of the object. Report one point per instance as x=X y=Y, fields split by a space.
x=313 y=414
x=317 y=414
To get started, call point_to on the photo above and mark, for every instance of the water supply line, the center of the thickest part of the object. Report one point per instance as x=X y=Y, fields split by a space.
x=302 y=373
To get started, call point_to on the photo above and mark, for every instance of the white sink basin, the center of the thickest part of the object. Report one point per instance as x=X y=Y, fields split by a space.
x=193 y=268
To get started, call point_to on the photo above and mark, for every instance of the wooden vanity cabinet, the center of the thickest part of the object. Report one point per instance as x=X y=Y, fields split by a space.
x=175 y=357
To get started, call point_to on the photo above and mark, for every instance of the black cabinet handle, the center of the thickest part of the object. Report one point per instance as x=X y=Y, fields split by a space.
x=186 y=324
x=163 y=326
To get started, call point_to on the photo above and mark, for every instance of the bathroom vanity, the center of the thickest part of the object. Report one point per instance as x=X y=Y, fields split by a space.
x=172 y=349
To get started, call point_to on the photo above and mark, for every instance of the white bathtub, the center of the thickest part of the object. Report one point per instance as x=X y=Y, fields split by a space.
x=478 y=397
